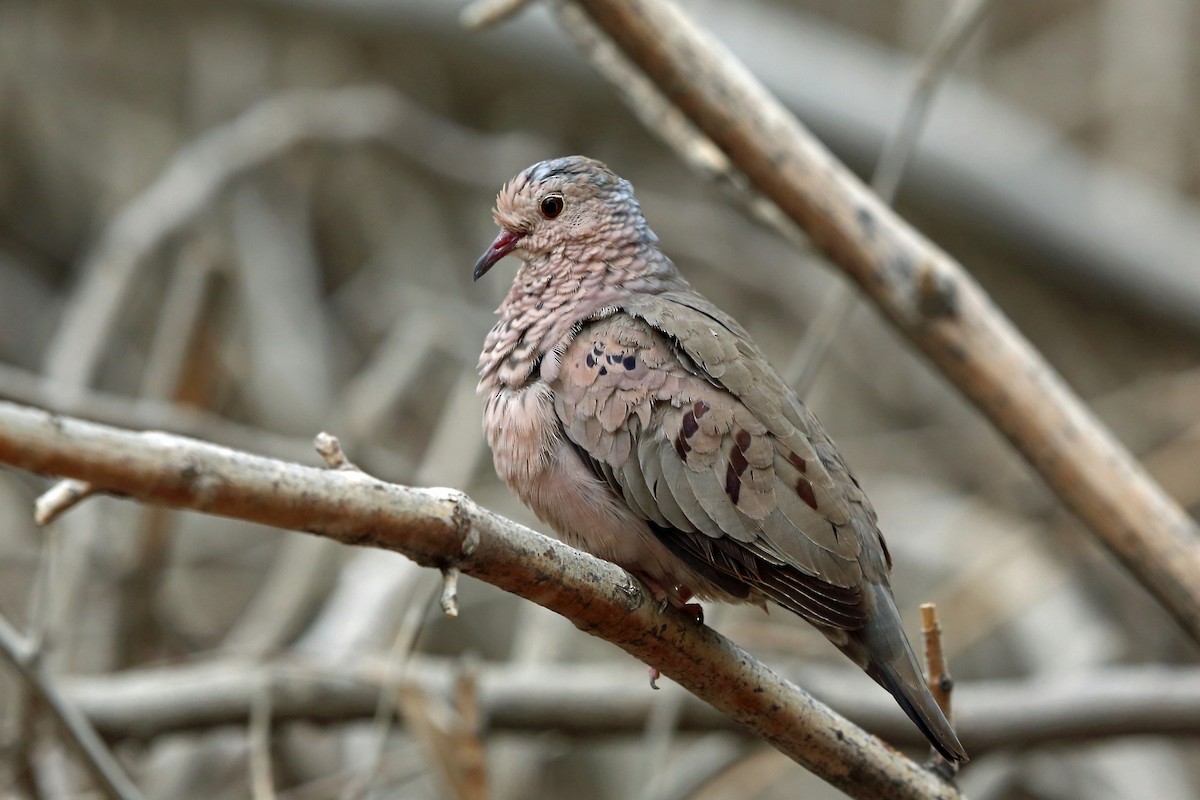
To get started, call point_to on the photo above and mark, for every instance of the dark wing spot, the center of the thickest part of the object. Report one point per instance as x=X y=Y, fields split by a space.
x=591 y=361
x=805 y=490
x=690 y=426
x=798 y=462
x=604 y=370
x=699 y=408
x=737 y=461
x=733 y=483
x=682 y=447
x=743 y=441
x=630 y=362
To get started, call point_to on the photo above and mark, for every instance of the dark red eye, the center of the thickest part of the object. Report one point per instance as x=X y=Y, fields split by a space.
x=552 y=205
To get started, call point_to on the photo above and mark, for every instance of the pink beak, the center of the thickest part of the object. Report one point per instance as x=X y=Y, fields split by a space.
x=504 y=244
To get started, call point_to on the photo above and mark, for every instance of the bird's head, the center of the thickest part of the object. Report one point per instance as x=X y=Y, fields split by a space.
x=567 y=206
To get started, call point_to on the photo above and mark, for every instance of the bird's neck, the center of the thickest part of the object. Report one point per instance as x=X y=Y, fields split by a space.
x=551 y=296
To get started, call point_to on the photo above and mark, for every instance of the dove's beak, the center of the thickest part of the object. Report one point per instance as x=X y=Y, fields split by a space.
x=504 y=244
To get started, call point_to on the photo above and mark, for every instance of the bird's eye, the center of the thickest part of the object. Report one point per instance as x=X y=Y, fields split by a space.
x=552 y=205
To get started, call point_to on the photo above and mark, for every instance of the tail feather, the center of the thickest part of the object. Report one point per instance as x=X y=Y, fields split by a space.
x=890 y=661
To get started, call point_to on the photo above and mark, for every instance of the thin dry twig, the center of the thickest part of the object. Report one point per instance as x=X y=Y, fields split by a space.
x=449 y=596
x=938 y=677
x=79 y=733
x=940 y=682
x=483 y=14
x=262 y=779
x=60 y=498
x=953 y=322
x=440 y=527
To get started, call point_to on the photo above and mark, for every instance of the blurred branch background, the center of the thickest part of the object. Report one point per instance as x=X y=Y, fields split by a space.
x=252 y=221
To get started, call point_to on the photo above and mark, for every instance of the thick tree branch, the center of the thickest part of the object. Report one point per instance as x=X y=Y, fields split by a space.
x=925 y=293
x=443 y=528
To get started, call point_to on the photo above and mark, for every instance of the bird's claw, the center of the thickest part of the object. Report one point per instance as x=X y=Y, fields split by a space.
x=654 y=676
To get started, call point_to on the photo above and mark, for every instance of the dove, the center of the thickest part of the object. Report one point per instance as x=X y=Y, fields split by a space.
x=643 y=424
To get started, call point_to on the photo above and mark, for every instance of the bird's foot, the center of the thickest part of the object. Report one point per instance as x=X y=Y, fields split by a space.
x=654 y=676
x=677 y=596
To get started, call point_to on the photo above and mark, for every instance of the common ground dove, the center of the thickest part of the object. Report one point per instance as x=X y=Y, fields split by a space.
x=642 y=423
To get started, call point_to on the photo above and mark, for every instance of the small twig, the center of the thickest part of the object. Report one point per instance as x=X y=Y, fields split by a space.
x=483 y=14
x=330 y=449
x=262 y=780
x=59 y=498
x=938 y=678
x=80 y=734
x=449 y=598
x=940 y=682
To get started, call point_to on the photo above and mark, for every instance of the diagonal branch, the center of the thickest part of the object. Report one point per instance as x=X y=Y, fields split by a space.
x=80 y=734
x=925 y=293
x=443 y=528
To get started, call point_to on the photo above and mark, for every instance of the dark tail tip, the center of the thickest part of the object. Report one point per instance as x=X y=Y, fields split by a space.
x=921 y=708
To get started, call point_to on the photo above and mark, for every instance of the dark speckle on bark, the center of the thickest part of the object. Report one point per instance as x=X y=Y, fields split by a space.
x=866 y=221
x=902 y=264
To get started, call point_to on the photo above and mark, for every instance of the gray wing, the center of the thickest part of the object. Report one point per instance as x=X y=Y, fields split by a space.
x=675 y=408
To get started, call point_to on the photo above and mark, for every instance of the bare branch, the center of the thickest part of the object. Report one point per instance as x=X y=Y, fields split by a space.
x=441 y=527
x=604 y=699
x=955 y=324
